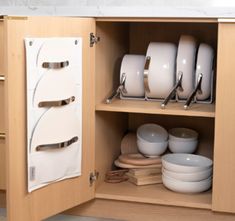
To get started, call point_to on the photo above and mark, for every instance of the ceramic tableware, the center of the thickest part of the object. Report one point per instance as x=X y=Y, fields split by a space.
x=152 y=149
x=152 y=133
x=185 y=186
x=160 y=76
x=185 y=64
x=183 y=140
x=204 y=66
x=186 y=163
x=133 y=68
x=190 y=177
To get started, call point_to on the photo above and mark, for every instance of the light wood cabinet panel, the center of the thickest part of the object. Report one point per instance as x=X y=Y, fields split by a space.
x=224 y=148
x=2 y=165
x=123 y=210
x=2 y=113
x=57 y=197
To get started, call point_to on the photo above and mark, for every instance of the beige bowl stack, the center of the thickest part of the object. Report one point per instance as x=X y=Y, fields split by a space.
x=186 y=173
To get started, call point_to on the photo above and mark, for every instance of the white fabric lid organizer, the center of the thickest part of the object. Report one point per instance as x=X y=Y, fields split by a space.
x=54 y=109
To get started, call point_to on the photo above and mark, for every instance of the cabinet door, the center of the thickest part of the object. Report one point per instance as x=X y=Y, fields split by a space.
x=2 y=140
x=62 y=195
x=224 y=148
x=2 y=113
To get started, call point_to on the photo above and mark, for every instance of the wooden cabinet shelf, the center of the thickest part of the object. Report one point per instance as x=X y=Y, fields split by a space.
x=153 y=194
x=149 y=107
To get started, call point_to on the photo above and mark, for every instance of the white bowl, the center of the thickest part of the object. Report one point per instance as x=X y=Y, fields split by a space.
x=187 y=146
x=186 y=57
x=151 y=149
x=182 y=134
x=186 y=187
x=152 y=133
x=161 y=75
x=133 y=67
x=192 y=177
x=204 y=66
x=186 y=163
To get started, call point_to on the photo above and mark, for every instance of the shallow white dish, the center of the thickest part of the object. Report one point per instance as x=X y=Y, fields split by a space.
x=182 y=134
x=152 y=149
x=185 y=63
x=186 y=187
x=204 y=66
x=191 y=177
x=152 y=133
x=186 y=163
x=133 y=67
x=161 y=74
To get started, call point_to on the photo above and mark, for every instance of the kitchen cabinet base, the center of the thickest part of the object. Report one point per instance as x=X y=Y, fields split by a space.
x=121 y=210
x=152 y=194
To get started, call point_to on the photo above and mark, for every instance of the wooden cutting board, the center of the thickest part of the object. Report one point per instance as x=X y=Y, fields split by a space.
x=138 y=159
x=145 y=171
x=130 y=166
x=129 y=144
x=144 y=179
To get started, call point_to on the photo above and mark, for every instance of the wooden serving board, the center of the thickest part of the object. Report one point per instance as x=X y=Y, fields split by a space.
x=130 y=166
x=144 y=180
x=138 y=159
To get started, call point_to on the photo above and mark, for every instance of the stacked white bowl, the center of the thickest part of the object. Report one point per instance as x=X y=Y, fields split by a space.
x=152 y=140
x=186 y=173
x=183 y=140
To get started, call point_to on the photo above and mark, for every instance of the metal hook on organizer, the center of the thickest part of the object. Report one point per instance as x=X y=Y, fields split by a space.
x=2 y=78
x=121 y=89
x=198 y=89
x=174 y=89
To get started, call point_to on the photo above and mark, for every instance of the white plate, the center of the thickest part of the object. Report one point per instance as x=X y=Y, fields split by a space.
x=204 y=66
x=190 y=177
x=186 y=187
x=186 y=163
x=161 y=75
x=186 y=57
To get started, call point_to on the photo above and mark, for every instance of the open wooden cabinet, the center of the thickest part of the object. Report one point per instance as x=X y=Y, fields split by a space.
x=59 y=196
x=104 y=125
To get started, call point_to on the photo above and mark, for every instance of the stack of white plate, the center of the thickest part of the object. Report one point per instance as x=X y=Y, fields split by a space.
x=186 y=173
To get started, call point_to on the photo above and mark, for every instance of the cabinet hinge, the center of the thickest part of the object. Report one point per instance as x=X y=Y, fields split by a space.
x=93 y=177
x=93 y=39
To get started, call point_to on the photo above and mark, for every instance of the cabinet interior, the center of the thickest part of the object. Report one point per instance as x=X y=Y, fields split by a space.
x=116 y=119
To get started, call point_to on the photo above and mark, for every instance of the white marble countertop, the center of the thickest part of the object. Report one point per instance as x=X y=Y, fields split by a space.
x=121 y=8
